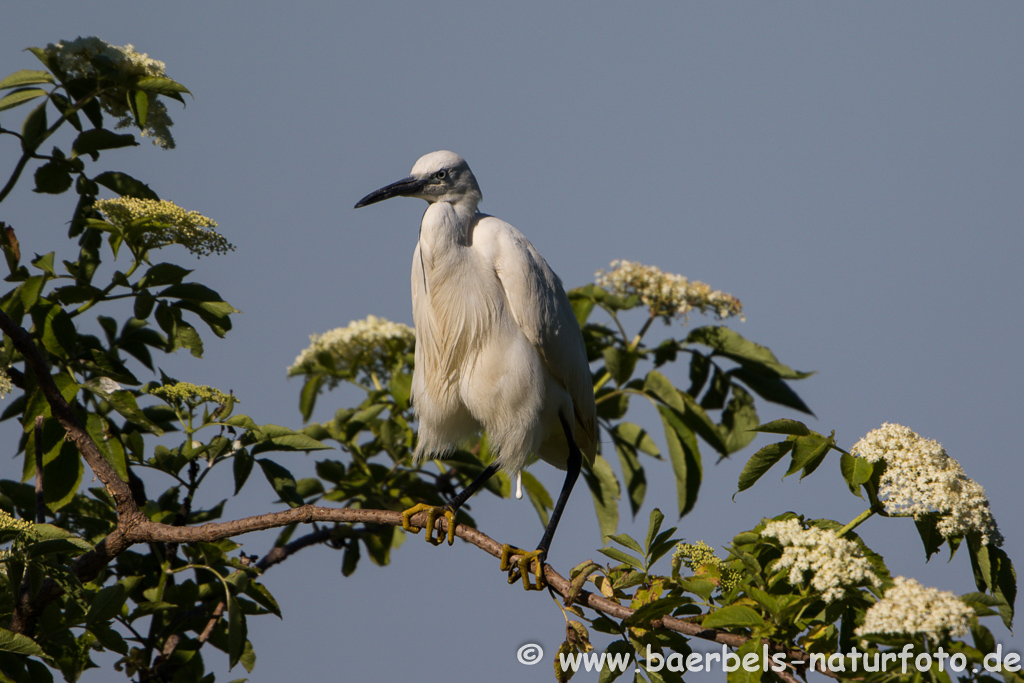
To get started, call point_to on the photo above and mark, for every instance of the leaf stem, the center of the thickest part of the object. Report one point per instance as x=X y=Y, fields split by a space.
x=858 y=520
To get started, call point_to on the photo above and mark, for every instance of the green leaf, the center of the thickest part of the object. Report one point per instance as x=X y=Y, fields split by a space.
x=25 y=77
x=125 y=185
x=653 y=526
x=138 y=102
x=619 y=363
x=784 y=426
x=685 y=458
x=282 y=481
x=123 y=401
x=739 y=420
x=632 y=474
x=729 y=343
x=163 y=274
x=928 y=529
x=761 y=462
x=635 y=436
x=538 y=495
x=604 y=488
x=242 y=467
x=629 y=542
x=21 y=96
x=277 y=438
x=98 y=139
x=622 y=556
x=33 y=129
x=52 y=178
x=20 y=644
x=161 y=86
x=62 y=475
x=106 y=604
x=733 y=616
x=809 y=452
x=770 y=388
x=654 y=610
x=856 y=471
x=237 y=631
x=994 y=574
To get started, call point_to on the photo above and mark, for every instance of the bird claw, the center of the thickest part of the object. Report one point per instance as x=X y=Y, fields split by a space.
x=521 y=567
x=433 y=512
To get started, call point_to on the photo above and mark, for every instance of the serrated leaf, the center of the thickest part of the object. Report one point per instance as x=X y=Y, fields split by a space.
x=739 y=420
x=733 y=616
x=20 y=644
x=241 y=468
x=237 y=632
x=761 y=462
x=622 y=556
x=98 y=139
x=538 y=495
x=160 y=85
x=627 y=541
x=654 y=610
x=52 y=178
x=604 y=488
x=33 y=128
x=808 y=452
x=106 y=604
x=784 y=426
x=731 y=344
x=25 y=77
x=125 y=185
x=16 y=97
x=856 y=471
x=685 y=457
x=771 y=388
x=282 y=481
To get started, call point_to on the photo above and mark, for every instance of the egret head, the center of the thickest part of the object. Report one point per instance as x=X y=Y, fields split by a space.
x=436 y=177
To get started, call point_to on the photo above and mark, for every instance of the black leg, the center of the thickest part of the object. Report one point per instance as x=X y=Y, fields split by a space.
x=572 y=473
x=455 y=503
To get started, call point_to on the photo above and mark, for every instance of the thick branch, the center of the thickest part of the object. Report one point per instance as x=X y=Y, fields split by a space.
x=65 y=414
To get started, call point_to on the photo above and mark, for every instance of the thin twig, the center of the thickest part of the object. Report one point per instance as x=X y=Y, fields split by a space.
x=40 y=498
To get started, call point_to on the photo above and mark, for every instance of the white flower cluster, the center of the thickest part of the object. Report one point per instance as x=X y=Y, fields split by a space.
x=6 y=385
x=666 y=294
x=834 y=562
x=909 y=608
x=170 y=224
x=920 y=477
x=76 y=57
x=362 y=345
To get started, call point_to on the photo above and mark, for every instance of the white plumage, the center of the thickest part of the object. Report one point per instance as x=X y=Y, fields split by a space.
x=498 y=348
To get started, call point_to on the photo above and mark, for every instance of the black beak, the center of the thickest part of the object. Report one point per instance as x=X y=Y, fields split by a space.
x=403 y=188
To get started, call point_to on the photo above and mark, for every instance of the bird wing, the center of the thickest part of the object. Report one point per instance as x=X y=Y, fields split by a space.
x=541 y=309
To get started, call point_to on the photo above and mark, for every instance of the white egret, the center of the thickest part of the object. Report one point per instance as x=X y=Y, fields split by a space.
x=498 y=349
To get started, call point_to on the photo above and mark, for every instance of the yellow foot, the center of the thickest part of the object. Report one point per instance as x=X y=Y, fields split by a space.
x=521 y=567
x=433 y=512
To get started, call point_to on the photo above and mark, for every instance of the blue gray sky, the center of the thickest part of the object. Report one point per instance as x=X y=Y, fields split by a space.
x=852 y=172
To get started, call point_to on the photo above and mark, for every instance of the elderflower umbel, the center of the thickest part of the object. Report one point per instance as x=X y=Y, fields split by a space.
x=362 y=345
x=6 y=385
x=699 y=557
x=9 y=523
x=834 y=562
x=75 y=58
x=908 y=608
x=666 y=294
x=167 y=223
x=192 y=394
x=920 y=477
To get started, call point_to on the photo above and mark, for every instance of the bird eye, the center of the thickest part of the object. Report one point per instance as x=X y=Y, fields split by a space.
x=440 y=175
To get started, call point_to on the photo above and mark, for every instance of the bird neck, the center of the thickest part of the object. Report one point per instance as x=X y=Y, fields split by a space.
x=448 y=224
